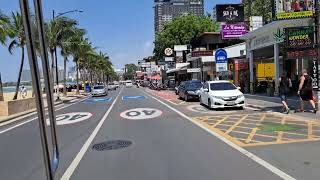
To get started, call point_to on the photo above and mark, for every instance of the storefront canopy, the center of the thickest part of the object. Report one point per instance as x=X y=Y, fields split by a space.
x=179 y=66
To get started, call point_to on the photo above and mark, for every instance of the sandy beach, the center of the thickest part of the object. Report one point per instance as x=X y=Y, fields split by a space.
x=9 y=96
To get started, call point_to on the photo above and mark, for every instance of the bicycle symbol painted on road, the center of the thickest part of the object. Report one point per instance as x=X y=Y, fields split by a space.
x=141 y=113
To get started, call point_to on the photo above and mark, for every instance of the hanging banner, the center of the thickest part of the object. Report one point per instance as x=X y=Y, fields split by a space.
x=299 y=37
x=291 y=9
x=232 y=31
x=230 y=12
x=221 y=60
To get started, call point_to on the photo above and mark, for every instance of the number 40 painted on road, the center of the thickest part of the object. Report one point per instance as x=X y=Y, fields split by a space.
x=141 y=113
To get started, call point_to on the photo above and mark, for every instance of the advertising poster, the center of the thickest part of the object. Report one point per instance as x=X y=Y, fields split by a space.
x=299 y=37
x=232 y=31
x=230 y=12
x=290 y=9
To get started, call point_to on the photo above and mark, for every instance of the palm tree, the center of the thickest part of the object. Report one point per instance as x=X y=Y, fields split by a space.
x=71 y=47
x=18 y=40
x=56 y=31
x=4 y=33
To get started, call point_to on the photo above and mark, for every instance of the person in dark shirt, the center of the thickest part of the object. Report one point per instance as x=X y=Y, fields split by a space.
x=306 y=91
x=284 y=89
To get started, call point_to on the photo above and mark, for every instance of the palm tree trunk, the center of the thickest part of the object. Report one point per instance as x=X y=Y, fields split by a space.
x=20 y=72
x=65 y=75
x=91 y=76
x=57 y=75
x=52 y=67
x=77 y=78
x=1 y=90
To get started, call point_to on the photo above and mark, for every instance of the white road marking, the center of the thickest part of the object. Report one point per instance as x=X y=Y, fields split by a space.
x=253 y=157
x=72 y=167
x=25 y=122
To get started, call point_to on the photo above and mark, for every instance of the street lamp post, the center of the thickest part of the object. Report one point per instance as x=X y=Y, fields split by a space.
x=55 y=48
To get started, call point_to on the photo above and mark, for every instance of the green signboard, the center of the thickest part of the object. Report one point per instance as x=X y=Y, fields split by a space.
x=300 y=37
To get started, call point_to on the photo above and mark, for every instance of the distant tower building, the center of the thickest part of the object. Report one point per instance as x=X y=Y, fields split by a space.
x=26 y=75
x=166 y=10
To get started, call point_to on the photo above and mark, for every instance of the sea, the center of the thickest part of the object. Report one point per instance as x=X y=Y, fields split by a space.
x=13 y=89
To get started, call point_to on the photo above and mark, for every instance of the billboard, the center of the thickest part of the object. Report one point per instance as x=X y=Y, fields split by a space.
x=232 y=31
x=299 y=37
x=230 y=12
x=290 y=9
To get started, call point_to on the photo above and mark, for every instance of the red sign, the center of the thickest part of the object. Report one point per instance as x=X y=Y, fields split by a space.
x=241 y=64
x=301 y=53
x=201 y=53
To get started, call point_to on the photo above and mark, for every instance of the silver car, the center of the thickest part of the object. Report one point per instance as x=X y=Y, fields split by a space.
x=99 y=90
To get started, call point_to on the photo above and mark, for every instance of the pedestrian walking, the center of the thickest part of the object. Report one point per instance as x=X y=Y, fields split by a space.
x=284 y=89
x=305 y=91
x=216 y=78
x=23 y=92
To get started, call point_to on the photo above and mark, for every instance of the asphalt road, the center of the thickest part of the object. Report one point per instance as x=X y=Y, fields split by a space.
x=167 y=146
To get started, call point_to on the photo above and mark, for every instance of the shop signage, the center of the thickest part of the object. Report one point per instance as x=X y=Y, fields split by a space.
x=230 y=12
x=231 y=31
x=290 y=9
x=201 y=53
x=180 y=47
x=300 y=53
x=241 y=64
x=194 y=70
x=315 y=75
x=168 y=59
x=299 y=37
x=272 y=34
x=221 y=60
x=255 y=22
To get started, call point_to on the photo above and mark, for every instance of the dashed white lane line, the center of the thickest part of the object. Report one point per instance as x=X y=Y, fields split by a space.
x=74 y=164
x=25 y=122
x=253 y=157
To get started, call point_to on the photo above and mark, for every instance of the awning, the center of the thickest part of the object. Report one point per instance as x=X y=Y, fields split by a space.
x=179 y=66
x=156 y=77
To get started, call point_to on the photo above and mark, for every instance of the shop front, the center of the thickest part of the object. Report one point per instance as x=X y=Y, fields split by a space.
x=268 y=56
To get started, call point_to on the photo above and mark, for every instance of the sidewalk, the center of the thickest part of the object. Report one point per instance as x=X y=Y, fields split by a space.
x=273 y=104
x=63 y=99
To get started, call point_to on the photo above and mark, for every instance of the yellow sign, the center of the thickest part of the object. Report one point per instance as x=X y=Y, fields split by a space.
x=292 y=15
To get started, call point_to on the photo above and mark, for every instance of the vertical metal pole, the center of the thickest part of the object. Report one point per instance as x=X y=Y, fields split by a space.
x=251 y=70
x=36 y=84
x=47 y=81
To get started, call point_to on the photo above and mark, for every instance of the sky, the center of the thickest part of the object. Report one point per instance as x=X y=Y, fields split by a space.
x=124 y=29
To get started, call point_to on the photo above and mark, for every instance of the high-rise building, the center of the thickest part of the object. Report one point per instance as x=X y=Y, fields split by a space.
x=26 y=75
x=166 y=10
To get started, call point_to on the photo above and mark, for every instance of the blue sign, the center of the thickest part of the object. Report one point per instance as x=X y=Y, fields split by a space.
x=132 y=97
x=93 y=100
x=221 y=60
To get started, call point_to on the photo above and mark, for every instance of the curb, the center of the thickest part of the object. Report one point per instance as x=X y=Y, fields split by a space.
x=29 y=112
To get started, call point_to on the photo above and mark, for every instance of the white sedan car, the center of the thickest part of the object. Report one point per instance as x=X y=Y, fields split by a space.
x=129 y=84
x=221 y=94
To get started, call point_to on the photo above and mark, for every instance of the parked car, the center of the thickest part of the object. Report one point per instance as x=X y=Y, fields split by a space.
x=221 y=94
x=99 y=90
x=129 y=84
x=116 y=83
x=112 y=86
x=189 y=90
